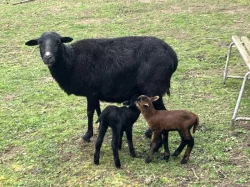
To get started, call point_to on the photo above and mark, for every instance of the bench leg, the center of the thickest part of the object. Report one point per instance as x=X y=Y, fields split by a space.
x=239 y=97
x=227 y=63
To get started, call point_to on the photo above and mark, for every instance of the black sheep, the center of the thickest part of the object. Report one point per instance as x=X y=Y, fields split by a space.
x=116 y=68
x=119 y=119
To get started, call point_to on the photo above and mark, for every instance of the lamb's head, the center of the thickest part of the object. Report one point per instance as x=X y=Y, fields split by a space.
x=144 y=101
x=131 y=103
x=50 y=46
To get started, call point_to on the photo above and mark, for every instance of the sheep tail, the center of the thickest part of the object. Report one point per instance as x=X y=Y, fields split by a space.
x=196 y=124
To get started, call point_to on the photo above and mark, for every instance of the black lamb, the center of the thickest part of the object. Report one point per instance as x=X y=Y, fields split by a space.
x=116 y=68
x=119 y=119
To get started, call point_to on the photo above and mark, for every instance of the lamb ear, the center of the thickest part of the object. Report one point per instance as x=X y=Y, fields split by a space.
x=146 y=104
x=155 y=98
x=66 y=39
x=126 y=103
x=32 y=42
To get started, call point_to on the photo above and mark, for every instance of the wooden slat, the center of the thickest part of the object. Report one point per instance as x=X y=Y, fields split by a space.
x=246 y=42
x=243 y=52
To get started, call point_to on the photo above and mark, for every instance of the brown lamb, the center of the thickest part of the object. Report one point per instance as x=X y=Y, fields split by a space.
x=163 y=121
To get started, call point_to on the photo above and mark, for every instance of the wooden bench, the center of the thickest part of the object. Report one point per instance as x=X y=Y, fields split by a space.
x=243 y=46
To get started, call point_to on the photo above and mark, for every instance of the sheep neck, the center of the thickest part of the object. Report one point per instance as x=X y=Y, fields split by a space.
x=148 y=112
x=61 y=70
x=135 y=111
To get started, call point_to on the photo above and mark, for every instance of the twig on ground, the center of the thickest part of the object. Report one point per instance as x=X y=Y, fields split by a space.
x=219 y=172
x=195 y=173
x=21 y=2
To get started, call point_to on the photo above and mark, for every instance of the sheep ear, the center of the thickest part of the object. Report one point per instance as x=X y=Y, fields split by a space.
x=32 y=42
x=155 y=98
x=146 y=104
x=66 y=39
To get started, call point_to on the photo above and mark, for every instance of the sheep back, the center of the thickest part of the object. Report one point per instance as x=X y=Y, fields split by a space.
x=121 y=67
x=173 y=120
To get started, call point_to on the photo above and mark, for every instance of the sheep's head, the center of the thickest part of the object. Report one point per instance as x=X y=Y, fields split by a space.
x=144 y=101
x=49 y=44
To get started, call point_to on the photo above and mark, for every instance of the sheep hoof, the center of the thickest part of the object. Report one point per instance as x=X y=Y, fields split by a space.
x=87 y=137
x=133 y=154
x=184 y=161
x=118 y=165
x=96 y=162
x=148 y=133
x=166 y=158
x=147 y=160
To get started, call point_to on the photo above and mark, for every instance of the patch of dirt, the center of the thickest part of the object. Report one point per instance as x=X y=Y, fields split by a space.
x=76 y=143
x=243 y=125
x=66 y=155
x=239 y=23
x=93 y=21
x=47 y=79
x=195 y=7
x=236 y=10
x=10 y=153
x=239 y=157
x=217 y=173
x=10 y=97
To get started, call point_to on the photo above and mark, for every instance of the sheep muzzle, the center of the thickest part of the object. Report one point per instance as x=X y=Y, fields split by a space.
x=48 y=59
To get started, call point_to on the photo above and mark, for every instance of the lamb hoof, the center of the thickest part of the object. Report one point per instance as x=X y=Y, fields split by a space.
x=87 y=137
x=184 y=161
x=96 y=162
x=118 y=165
x=166 y=158
x=147 y=160
x=176 y=153
x=96 y=159
x=148 y=133
x=158 y=146
x=133 y=154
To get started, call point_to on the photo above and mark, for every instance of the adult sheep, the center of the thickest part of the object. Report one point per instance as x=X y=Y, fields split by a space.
x=111 y=70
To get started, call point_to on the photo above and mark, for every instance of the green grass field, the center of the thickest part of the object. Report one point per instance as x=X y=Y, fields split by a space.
x=41 y=127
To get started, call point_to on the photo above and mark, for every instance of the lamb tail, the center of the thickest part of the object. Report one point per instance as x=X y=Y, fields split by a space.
x=196 y=124
x=102 y=115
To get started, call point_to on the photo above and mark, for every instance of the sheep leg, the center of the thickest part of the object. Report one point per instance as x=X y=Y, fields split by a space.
x=120 y=141
x=148 y=133
x=98 y=111
x=165 y=143
x=114 y=144
x=190 y=145
x=91 y=106
x=158 y=105
x=130 y=142
x=182 y=144
x=99 y=140
x=159 y=144
x=180 y=148
x=153 y=145
x=98 y=108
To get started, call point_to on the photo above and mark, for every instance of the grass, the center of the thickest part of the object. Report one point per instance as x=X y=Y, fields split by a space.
x=41 y=127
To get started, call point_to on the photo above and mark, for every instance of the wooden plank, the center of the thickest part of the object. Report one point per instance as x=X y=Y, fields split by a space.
x=243 y=52
x=246 y=42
